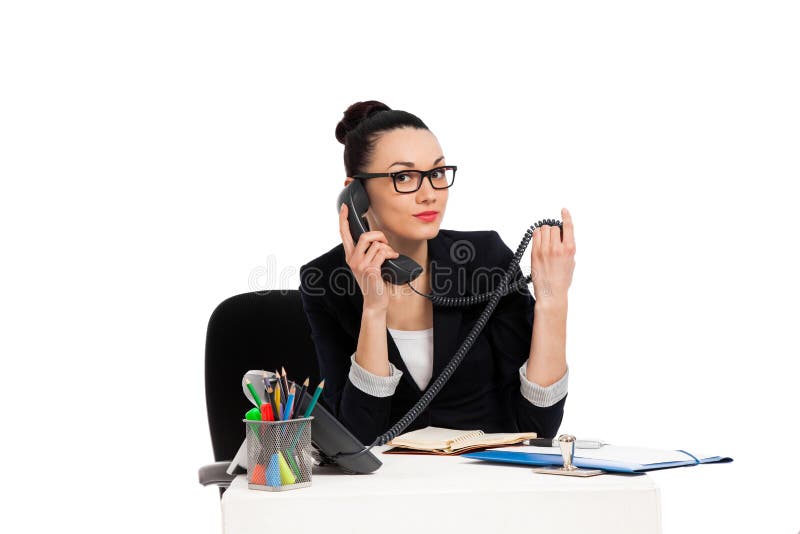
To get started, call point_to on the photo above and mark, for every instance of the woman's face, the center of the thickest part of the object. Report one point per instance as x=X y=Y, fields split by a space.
x=392 y=212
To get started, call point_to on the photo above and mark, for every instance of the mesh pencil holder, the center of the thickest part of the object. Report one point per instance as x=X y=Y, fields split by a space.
x=279 y=454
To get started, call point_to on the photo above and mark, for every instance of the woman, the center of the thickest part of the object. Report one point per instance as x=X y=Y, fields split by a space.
x=379 y=345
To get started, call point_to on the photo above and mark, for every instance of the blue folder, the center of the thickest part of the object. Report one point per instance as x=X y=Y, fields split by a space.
x=528 y=458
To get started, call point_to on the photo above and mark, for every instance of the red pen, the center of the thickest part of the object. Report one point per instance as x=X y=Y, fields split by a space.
x=266 y=412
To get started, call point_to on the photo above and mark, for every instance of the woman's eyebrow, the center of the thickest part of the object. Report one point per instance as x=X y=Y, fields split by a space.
x=411 y=163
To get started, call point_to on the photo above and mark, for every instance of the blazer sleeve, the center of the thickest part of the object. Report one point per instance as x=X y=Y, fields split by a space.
x=510 y=328
x=366 y=416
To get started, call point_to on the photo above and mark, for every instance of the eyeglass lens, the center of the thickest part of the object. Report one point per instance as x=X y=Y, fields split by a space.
x=409 y=181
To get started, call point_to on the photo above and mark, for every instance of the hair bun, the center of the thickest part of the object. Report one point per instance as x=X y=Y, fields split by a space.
x=355 y=114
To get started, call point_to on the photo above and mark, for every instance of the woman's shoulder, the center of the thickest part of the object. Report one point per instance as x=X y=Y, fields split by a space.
x=317 y=273
x=330 y=259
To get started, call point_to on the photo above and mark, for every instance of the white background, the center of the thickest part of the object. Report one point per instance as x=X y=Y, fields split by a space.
x=159 y=157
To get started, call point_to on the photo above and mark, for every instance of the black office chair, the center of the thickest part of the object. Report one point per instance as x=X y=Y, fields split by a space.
x=259 y=330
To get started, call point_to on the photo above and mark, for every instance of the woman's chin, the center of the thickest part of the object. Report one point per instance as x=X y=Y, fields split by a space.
x=430 y=231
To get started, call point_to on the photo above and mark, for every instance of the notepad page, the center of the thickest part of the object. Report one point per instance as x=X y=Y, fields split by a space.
x=432 y=437
x=635 y=455
x=493 y=439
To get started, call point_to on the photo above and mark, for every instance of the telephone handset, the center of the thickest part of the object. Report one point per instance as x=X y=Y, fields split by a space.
x=399 y=270
x=402 y=270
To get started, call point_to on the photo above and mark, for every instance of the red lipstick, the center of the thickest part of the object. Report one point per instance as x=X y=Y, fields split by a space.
x=427 y=216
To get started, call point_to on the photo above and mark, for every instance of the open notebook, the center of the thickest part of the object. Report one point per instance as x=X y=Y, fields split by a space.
x=435 y=440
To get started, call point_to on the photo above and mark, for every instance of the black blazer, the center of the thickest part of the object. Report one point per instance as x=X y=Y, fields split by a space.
x=483 y=393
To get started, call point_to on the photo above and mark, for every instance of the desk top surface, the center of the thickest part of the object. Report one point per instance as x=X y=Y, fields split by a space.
x=430 y=474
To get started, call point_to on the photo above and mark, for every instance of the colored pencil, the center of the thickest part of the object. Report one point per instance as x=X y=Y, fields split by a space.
x=256 y=398
x=310 y=408
x=314 y=400
x=271 y=397
x=266 y=379
x=287 y=411
x=278 y=404
x=285 y=382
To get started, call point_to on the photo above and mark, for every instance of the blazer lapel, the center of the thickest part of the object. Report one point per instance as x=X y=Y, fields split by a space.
x=446 y=319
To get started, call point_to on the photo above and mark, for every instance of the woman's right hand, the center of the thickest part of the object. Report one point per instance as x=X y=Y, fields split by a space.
x=365 y=259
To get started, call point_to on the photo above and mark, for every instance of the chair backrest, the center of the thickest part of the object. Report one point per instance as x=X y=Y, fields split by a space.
x=259 y=330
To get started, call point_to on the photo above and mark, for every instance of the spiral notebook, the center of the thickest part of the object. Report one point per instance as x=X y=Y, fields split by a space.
x=436 y=440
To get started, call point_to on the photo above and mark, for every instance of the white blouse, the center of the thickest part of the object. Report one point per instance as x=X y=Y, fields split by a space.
x=416 y=349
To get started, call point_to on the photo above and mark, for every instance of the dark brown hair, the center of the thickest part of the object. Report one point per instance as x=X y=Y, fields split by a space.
x=361 y=126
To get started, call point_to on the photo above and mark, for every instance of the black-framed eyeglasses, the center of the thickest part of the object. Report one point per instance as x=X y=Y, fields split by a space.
x=410 y=181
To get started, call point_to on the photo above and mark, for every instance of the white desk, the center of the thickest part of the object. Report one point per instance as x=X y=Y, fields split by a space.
x=429 y=494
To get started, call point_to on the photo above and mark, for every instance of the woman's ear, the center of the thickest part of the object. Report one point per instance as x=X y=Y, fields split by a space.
x=347 y=181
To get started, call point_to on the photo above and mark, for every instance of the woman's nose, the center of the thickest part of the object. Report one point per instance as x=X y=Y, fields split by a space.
x=426 y=190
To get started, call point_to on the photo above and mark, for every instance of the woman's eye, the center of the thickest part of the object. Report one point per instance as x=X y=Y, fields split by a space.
x=400 y=177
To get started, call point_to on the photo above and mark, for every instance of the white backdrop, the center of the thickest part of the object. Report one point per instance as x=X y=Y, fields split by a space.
x=159 y=157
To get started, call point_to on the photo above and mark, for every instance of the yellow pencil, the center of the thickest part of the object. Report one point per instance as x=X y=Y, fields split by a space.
x=278 y=399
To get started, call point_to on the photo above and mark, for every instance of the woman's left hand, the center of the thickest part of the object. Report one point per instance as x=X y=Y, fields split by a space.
x=553 y=259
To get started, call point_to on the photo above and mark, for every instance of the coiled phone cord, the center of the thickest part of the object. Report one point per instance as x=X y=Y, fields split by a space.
x=476 y=299
x=494 y=297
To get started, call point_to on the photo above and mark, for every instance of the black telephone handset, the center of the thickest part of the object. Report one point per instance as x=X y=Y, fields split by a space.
x=402 y=270
x=399 y=270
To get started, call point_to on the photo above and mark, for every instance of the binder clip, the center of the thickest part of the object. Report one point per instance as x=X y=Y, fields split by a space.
x=567 y=444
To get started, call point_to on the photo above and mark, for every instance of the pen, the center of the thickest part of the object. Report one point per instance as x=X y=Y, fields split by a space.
x=284 y=393
x=299 y=397
x=579 y=443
